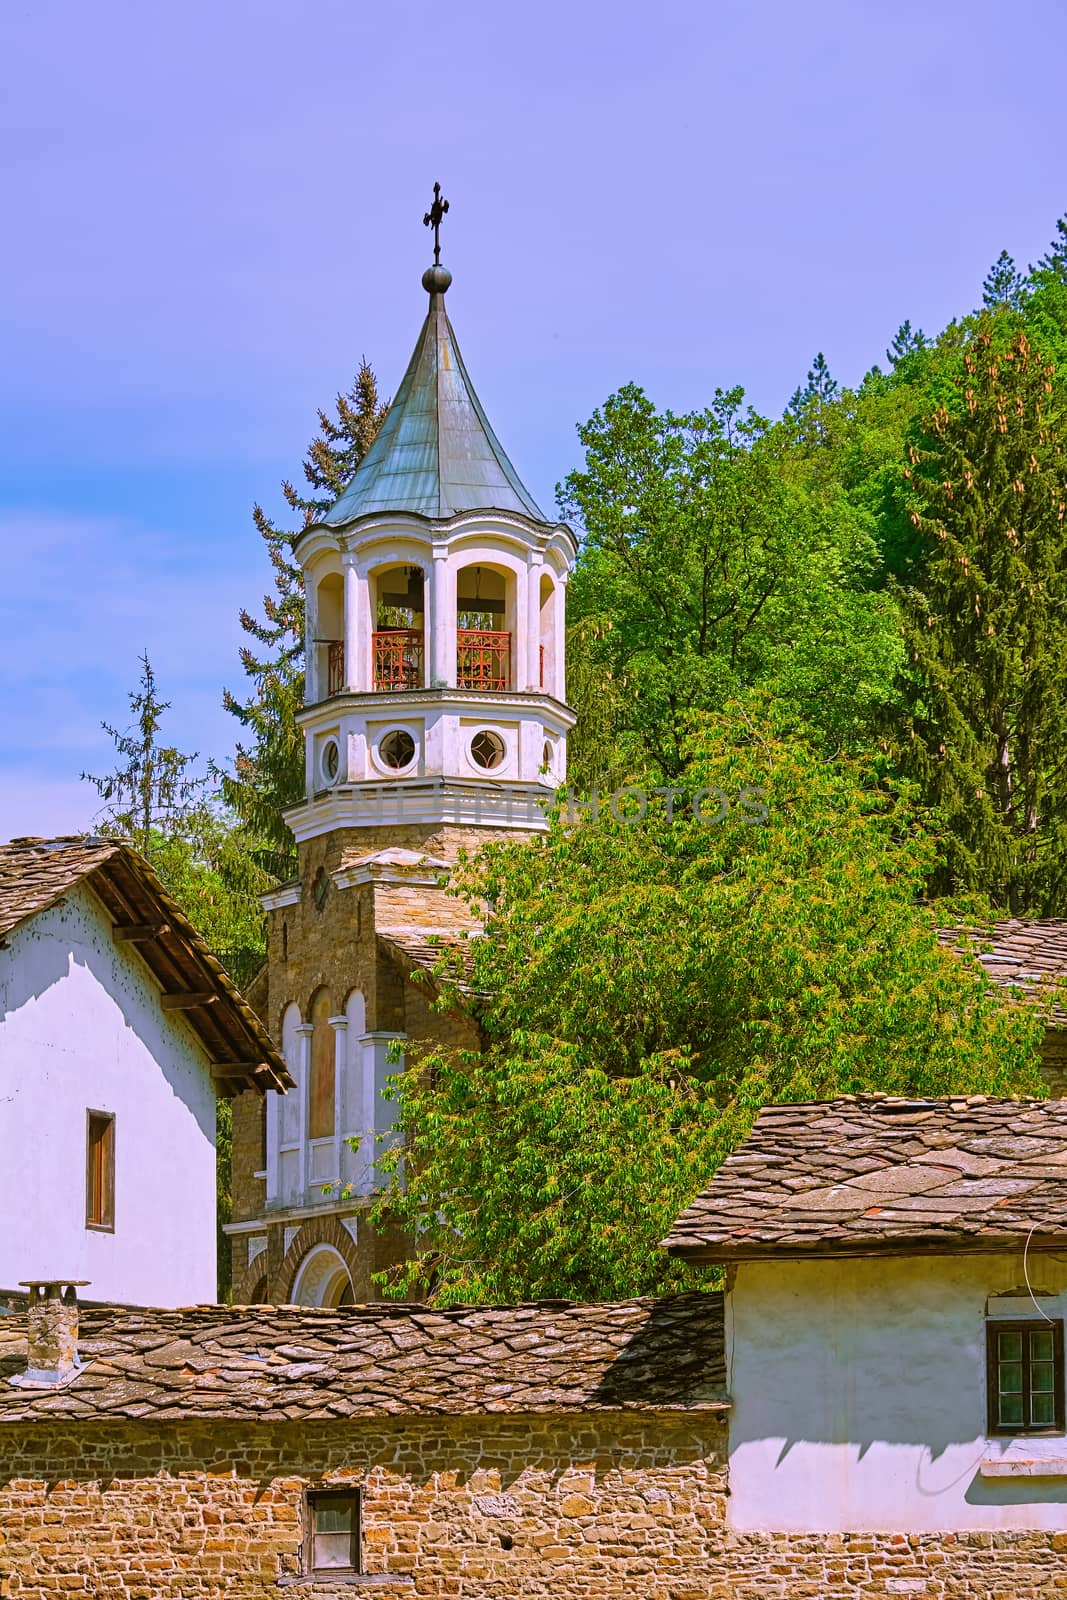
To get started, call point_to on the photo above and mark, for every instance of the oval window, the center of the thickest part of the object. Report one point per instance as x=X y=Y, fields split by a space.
x=546 y=757
x=487 y=749
x=397 y=749
x=331 y=760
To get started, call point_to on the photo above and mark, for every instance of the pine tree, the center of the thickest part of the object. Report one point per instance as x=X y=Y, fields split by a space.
x=1053 y=263
x=820 y=387
x=156 y=790
x=268 y=770
x=907 y=341
x=986 y=635
x=1004 y=285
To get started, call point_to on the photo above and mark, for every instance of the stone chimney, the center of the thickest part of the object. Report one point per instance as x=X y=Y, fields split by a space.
x=51 y=1334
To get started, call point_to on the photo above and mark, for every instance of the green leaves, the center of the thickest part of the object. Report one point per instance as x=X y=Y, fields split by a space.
x=986 y=621
x=649 y=986
x=709 y=565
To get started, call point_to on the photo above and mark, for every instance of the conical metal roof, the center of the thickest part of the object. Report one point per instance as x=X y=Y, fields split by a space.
x=436 y=454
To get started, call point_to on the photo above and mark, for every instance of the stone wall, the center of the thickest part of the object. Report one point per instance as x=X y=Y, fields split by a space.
x=334 y=945
x=582 y=1508
x=599 y=1507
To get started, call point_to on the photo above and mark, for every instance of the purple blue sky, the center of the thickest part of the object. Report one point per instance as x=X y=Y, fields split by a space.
x=211 y=210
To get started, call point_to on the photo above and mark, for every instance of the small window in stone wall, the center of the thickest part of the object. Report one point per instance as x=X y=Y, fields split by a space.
x=332 y=1537
x=1025 y=1376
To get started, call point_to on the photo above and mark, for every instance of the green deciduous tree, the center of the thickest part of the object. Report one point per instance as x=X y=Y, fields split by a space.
x=709 y=563
x=648 y=986
x=268 y=771
x=986 y=621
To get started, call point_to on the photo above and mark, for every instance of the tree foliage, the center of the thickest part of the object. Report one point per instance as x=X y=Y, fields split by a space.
x=647 y=986
x=268 y=772
x=156 y=789
x=986 y=623
x=710 y=564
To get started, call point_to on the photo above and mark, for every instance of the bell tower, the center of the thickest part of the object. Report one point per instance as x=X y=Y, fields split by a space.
x=435 y=718
x=435 y=680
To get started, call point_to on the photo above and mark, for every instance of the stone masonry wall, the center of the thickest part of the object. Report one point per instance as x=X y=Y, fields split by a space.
x=334 y=945
x=598 y=1507
x=469 y=1509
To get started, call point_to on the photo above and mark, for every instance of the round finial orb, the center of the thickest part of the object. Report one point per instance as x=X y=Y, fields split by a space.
x=435 y=280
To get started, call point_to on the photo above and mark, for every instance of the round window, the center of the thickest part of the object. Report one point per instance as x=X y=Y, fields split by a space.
x=397 y=749
x=487 y=749
x=331 y=760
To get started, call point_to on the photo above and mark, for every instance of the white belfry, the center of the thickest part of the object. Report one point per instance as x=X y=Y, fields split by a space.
x=435 y=681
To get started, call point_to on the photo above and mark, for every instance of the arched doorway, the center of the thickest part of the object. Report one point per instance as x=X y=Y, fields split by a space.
x=322 y=1279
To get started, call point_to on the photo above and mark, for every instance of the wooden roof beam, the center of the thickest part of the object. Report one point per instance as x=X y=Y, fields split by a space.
x=189 y=1000
x=138 y=932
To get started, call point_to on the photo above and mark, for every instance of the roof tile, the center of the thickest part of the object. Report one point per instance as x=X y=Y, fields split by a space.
x=952 y=1174
x=284 y=1362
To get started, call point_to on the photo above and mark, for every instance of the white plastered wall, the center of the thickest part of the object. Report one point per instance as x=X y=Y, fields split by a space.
x=81 y=1028
x=859 y=1391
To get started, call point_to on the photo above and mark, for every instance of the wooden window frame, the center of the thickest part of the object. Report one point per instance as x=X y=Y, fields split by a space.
x=1026 y=1326
x=313 y=1498
x=104 y=1222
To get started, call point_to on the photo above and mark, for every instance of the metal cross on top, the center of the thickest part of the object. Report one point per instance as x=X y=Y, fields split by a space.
x=433 y=218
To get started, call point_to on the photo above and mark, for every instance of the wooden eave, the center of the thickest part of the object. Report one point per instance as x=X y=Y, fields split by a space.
x=183 y=965
x=180 y=962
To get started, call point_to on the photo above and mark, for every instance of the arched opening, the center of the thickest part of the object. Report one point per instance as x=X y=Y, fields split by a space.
x=399 y=604
x=259 y=1293
x=330 y=632
x=321 y=1091
x=485 y=626
x=547 y=634
x=322 y=1279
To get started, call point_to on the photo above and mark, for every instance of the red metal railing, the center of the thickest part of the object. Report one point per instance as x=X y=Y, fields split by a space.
x=398 y=658
x=335 y=666
x=483 y=659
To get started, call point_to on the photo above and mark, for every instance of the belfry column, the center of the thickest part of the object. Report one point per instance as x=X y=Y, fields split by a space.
x=442 y=641
x=534 y=569
x=354 y=607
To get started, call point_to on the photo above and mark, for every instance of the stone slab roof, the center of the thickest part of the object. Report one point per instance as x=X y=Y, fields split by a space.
x=36 y=873
x=419 y=953
x=871 y=1174
x=294 y=1363
x=1026 y=954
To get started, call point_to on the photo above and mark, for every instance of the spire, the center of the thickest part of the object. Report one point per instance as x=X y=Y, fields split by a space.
x=435 y=454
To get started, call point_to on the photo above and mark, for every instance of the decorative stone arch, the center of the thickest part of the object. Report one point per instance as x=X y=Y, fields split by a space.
x=318 y=1234
x=322 y=1279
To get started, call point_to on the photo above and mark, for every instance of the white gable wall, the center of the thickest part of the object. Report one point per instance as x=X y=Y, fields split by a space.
x=859 y=1392
x=81 y=1027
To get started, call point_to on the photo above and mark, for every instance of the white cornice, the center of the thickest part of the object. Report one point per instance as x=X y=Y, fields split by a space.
x=378 y=525
x=424 y=802
x=392 y=866
x=554 y=714
x=287 y=895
